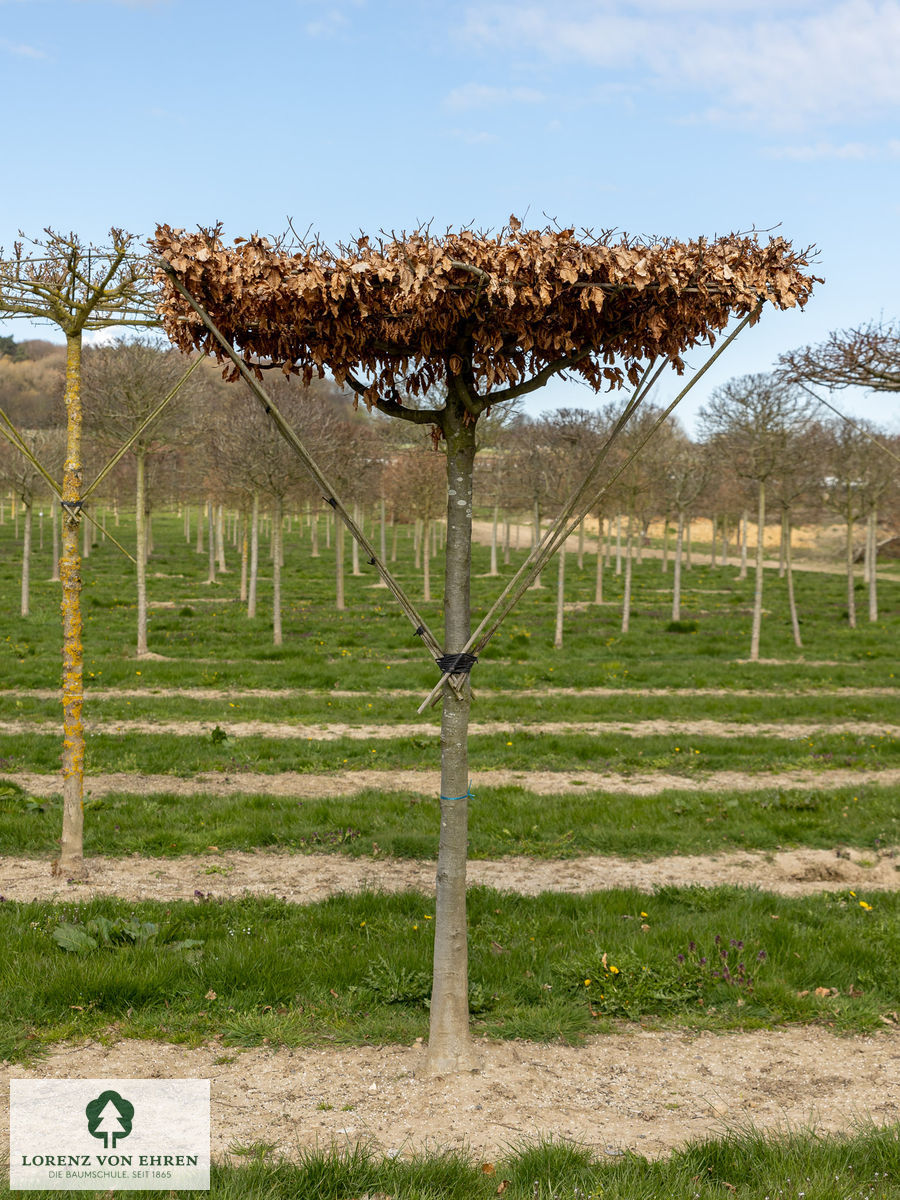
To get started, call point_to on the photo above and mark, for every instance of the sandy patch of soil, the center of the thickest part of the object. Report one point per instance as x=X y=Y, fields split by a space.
x=643 y=1091
x=307 y=878
x=334 y=731
x=427 y=783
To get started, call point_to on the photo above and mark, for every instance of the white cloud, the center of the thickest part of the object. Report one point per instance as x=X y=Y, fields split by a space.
x=20 y=50
x=479 y=95
x=847 y=151
x=474 y=137
x=796 y=63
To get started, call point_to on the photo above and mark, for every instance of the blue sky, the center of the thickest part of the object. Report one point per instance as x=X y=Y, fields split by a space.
x=659 y=117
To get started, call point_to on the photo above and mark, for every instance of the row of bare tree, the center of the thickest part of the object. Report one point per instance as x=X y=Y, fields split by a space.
x=762 y=449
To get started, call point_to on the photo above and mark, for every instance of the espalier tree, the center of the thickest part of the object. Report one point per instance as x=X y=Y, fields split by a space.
x=434 y=331
x=77 y=287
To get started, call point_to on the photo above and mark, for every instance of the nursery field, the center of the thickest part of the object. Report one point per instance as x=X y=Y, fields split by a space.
x=685 y=870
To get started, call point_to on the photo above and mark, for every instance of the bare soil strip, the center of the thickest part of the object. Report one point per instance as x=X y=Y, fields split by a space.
x=643 y=1091
x=304 y=879
x=225 y=693
x=333 y=732
x=427 y=783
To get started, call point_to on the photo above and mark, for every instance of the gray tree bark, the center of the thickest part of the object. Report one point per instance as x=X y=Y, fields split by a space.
x=758 y=590
x=211 y=539
x=26 y=556
x=676 y=570
x=449 y=1047
x=560 y=596
x=254 y=556
x=278 y=535
x=789 y=573
x=873 y=565
x=140 y=501
x=54 y=521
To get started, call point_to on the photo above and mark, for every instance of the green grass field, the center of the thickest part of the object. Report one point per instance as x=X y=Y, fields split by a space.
x=107 y=968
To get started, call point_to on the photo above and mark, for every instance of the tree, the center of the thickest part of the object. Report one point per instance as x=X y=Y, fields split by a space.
x=482 y=319
x=124 y=384
x=752 y=421
x=868 y=356
x=684 y=476
x=77 y=287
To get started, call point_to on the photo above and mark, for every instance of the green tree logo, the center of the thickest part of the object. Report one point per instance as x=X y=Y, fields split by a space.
x=109 y=1117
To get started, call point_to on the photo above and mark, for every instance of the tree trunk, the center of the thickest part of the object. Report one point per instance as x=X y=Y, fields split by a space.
x=626 y=598
x=244 y=557
x=449 y=1048
x=417 y=545
x=581 y=544
x=494 y=568
x=54 y=520
x=506 y=542
x=873 y=565
x=140 y=499
x=665 y=546
x=618 y=543
x=598 y=579
x=382 y=522
x=851 y=594
x=676 y=570
x=277 y=534
x=339 y=566
x=354 y=548
x=758 y=591
x=560 y=596
x=199 y=546
x=745 y=524
x=393 y=539
x=26 y=555
x=789 y=573
x=211 y=538
x=71 y=846
x=314 y=533
x=724 y=559
x=254 y=556
x=41 y=528
x=712 y=548
x=426 y=560
x=220 y=539
x=781 y=552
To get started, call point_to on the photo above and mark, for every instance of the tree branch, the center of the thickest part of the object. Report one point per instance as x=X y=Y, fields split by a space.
x=536 y=381
x=393 y=408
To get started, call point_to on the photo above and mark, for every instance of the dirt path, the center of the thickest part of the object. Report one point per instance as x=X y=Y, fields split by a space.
x=306 y=878
x=643 y=1091
x=427 y=783
x=332 y=732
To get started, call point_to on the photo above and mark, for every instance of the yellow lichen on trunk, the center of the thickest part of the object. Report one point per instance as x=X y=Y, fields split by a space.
x=71 y=860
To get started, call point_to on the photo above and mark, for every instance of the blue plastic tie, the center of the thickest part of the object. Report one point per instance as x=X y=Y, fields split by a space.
x=463 y=797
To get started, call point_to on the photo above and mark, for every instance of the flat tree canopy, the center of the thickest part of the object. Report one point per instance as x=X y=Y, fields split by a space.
x=502 y=312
